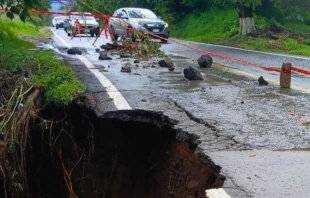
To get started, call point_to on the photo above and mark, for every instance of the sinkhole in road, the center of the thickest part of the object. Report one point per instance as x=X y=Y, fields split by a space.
x=121 y=155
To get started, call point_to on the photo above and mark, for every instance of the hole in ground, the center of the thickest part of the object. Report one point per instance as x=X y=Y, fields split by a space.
x=113 y=158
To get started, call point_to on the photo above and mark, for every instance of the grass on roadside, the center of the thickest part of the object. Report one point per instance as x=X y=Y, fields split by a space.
x=23 y=29
x=58 y=80
x=288 y=46
x=210 y=26
x=220 y=26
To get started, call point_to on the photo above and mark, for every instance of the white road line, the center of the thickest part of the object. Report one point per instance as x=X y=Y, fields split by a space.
x=118 y=100
x=260 y=52
x=217 y=193
x=121 y=103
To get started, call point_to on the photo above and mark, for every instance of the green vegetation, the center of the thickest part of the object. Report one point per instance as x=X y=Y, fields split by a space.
x=23 y=29
x=217 y=21
x=220 y=26
x=31 y=81
x=213 y=25
x=58 y=80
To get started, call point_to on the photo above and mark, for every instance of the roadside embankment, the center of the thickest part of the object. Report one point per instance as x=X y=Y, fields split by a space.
x=51 y=144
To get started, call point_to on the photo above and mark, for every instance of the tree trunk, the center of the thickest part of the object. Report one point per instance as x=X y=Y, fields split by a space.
x=246 y=21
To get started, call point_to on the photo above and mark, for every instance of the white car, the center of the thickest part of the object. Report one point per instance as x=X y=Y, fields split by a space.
x=58 y=21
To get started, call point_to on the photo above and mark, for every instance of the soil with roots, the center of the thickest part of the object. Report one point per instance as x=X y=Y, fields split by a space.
x=76 y=154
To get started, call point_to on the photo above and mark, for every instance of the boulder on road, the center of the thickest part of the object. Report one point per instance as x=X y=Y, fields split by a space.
x=104 y=56
x=125 y=55
x=74 y=51
x=262 y=81
x=205 y=61
x=126 y=69
x=192 y=74
x=166 y=63
x=171 y=68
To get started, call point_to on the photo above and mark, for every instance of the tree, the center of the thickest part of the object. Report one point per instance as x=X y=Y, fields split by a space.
x=246 y=8
x=21 y=7
x=293 y=9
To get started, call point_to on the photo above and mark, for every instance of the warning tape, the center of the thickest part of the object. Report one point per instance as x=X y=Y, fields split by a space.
x=106 y=26
x=299 y=70
x=76 y=29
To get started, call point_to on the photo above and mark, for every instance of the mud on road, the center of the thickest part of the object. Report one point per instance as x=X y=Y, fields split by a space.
x=227 y=112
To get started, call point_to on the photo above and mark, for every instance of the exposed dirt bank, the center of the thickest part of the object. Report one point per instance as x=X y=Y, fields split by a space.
x=80 y=155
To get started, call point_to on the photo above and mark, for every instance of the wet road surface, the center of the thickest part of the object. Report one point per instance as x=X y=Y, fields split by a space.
x=244 y=115
x=260 y=58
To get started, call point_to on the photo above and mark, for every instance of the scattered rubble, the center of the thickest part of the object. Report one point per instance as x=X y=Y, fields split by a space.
x=171 y=68
x=110 y=46
x=125 y=56
x=136 y=61
x=167 y=63
x=74 y=51
x=192 y=74
x=127 y=48
x=262 y=81
x=126 y=68
x=205 y=61
x=104 y=56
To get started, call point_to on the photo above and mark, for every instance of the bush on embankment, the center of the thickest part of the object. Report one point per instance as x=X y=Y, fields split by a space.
x=58 y=80
x=30 y=80
x=221 y=26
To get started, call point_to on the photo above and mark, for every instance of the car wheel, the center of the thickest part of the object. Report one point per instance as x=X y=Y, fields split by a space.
x=112 y=34
x=68 y=33
x=163 y=41
x=57 y=27
x=92 y=35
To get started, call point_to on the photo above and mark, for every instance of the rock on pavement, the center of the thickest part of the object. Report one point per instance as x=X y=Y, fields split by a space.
x=205 y=61
x=126 y=68
x=262 y=81
x=104 y=56
x=192 y=74
x=74 y=51
x=167 y=63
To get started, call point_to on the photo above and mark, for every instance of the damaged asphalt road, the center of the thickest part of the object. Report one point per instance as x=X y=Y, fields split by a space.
x=259 y=135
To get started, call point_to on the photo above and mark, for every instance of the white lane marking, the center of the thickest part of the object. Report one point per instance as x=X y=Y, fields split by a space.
x=121 y=104
x=276 y=82
x=217 y=193
x=118 y=100
x=260 y=52
x=61 y=39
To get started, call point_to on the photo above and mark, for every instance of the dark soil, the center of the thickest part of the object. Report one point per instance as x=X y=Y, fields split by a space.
x=112 y=158
x=36 y=40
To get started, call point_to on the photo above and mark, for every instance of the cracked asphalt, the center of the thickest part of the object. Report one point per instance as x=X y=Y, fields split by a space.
x=260 y=136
